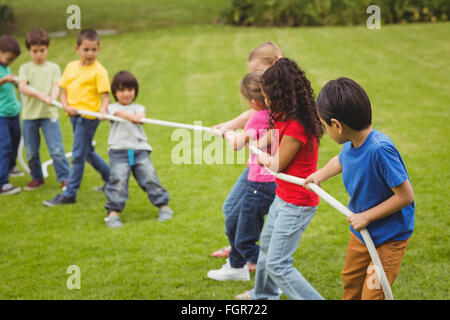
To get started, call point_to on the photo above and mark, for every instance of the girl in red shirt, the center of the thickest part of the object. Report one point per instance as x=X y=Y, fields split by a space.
x=294 y=138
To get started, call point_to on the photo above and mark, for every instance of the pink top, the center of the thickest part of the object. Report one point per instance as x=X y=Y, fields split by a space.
x=256 y=127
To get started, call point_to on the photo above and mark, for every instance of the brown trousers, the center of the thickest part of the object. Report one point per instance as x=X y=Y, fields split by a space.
x=358 y=275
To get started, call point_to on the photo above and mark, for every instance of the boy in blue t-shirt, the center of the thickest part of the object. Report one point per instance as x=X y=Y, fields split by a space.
x=9 y=114
x=375 y=177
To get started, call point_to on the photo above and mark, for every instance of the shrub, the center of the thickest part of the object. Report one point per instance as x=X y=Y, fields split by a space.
x=332 y=12
x=6 y=18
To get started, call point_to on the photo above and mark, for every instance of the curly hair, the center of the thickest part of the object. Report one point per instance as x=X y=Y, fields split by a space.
x=291 y=97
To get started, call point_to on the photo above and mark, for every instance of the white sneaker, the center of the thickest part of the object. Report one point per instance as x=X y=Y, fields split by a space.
x=227 y=272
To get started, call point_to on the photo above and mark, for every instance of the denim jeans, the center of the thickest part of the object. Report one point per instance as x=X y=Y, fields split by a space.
x=143 y=171
x=243 y=225
x=82 y=151
x=53 y=138
x=279 y=240
x=232 y=201
x=9 y=144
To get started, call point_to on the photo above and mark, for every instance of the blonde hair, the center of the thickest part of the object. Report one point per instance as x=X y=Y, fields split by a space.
x=251 y=86
x=267 y=53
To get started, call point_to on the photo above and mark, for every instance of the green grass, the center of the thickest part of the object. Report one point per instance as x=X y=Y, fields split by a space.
x=190 y=73
x=115 y=14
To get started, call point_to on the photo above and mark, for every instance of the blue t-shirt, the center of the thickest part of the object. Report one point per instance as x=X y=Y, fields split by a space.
x=369 y=173
x=9 y=104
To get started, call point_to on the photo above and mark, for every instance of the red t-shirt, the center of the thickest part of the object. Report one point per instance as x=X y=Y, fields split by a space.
x=302 y=165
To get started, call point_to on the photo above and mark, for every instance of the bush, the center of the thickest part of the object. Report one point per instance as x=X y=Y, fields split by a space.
x=6 y=18
x=332 y=12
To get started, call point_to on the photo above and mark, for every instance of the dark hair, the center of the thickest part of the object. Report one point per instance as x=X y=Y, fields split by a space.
x=37 y=37
x=291 y=97
x=346 y=101
x=124 y=80
x=87 y=34
x=9 y=44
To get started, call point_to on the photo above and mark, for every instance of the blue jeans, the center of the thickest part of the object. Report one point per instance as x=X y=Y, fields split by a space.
x=243 y=225
x=53 y=138
x=9 y=144
x=279 y=240
x=82 y=151
x=139 y=163
x=231 y=203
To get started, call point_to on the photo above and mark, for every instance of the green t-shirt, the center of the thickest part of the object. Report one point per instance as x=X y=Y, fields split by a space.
x=9 y=104
x=41 y=77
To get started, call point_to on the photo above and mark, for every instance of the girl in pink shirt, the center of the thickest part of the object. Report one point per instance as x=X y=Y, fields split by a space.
x=251 y=196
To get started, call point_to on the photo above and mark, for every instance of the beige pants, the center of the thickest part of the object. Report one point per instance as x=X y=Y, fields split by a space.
x=358 y=275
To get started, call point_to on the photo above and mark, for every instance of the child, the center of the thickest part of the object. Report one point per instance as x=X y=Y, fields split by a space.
x=9 y=114
x=297 y=127
x=375 y=177
x=83 y=83
x=245 y=220
x=37 y=113
x=129 y=151
x=261 y=58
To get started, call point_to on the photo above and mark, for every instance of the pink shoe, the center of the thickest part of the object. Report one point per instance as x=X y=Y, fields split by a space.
x=221 y=253
x=244 y=296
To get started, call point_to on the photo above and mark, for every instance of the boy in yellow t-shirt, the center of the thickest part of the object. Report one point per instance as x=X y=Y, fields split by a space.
x=85 y=86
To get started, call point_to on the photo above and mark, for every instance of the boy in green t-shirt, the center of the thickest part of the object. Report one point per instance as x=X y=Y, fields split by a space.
x=37 y=112
x=9 y=114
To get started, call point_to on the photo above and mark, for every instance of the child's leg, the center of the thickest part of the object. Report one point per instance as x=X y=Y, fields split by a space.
x=5 y=150
x=93 y=158
x=53 y=138
x=235 y=194
x=353 y=275
x=15 y=140
x=290 y=224
x=32 y=142
x=99 y=164
x=117 y=187
x=231 y=223
x=83 y=134
x=264 y=287
x=145 y=175
x=391 y=254
x=256 y=203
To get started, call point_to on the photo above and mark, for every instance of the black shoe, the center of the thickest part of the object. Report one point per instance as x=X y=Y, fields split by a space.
x=59 y=200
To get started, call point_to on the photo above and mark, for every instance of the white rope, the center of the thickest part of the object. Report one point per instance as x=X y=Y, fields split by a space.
x=347 y=212
x=144 y=120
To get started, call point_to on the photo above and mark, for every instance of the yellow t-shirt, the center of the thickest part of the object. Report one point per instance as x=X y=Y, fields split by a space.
x=84 y=85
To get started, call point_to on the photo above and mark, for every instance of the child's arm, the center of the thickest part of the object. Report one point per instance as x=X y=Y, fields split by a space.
x=403 y=196
x=236 y=123
x=105 y=102
x=24 y=89
x=130 y=117
x=286 y=152
x=264 y=141
x=9 y=78
x=55 y=92
x=237 y=140
x=331 y=169
x=71 y=111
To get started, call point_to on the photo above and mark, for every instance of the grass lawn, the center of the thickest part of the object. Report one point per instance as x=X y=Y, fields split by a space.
x=189 y=73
